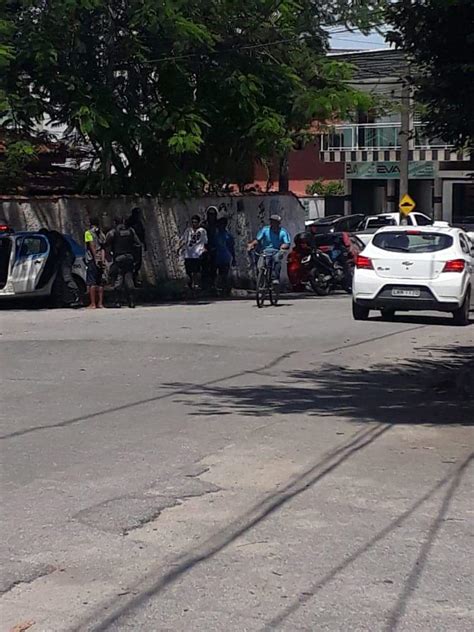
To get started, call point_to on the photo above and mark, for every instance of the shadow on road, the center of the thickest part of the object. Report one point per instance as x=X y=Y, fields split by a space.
x=420 y=319
x=427 y=390
x=421 y=391
x=396 y=614
x=149 y=587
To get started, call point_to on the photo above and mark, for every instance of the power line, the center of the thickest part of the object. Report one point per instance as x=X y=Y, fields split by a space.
x=365 y=41
x=297 y=38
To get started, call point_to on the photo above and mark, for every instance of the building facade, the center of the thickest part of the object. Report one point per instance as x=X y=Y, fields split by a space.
x=441 y=180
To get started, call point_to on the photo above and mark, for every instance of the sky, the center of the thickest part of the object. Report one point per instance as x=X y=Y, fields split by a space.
x=356 y=40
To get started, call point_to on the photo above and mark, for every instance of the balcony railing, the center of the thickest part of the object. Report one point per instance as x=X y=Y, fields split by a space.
x=375 y=136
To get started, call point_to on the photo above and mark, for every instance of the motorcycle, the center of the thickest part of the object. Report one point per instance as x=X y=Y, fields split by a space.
x=326 y=272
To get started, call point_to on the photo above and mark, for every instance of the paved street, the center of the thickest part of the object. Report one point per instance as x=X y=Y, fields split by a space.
x=218 y=467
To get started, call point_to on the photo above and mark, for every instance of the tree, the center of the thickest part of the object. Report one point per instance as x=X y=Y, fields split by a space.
x=330 y=187
x=438 y=36
x=177 y=94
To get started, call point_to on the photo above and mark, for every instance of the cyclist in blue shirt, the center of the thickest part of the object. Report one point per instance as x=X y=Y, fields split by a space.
x=272 y=238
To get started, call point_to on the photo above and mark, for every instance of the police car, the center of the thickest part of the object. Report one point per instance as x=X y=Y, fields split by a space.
x=28 y=268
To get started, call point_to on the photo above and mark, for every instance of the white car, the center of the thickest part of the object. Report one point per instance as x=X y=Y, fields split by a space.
x=373 y=222
x=392 y=219
x=408 y=268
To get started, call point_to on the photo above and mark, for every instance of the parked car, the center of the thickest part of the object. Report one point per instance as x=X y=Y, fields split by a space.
x=336 y=223
x=27 y=268
x=415 y=268
x=370 y=225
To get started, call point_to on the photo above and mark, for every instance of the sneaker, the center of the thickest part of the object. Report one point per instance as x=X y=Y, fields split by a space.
x=275 y=282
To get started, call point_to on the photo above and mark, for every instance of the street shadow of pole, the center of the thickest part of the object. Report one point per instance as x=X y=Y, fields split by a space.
x=150 y=587
x=430 y=390
x=413 y=578
x=396 y=614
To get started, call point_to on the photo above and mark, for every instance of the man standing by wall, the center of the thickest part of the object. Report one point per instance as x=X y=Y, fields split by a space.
x=194 y=244
x=122 y=241
x=94 y=241
x=135 y=221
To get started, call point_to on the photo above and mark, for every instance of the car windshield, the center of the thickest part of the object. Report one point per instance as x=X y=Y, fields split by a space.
x=412 y=241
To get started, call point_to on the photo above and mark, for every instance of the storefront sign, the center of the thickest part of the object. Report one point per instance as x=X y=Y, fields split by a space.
x=389 y=170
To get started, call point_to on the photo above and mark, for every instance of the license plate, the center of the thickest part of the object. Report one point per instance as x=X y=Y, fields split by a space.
x=411 y=293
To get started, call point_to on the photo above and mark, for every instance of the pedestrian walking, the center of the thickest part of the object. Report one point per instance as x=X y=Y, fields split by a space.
x=194 y=245
x=225 y=255
x=209 y=269
x=94 y=240
x=122 y=242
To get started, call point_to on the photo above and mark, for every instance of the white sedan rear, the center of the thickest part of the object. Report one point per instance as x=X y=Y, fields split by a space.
x=422 y=268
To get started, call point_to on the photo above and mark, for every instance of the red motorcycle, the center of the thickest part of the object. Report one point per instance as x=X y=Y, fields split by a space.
x=301 y=274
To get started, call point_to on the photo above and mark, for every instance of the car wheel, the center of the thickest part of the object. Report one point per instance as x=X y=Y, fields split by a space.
x=359 y=312
x=461 y=315
x=387 y=314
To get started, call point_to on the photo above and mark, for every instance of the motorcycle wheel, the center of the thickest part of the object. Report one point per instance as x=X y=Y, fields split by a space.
x=319 y=285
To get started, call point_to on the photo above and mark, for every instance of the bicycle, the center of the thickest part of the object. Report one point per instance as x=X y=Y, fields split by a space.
x=265 y=285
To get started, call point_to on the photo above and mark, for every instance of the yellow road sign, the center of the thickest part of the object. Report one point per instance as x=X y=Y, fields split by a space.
x=406 y=205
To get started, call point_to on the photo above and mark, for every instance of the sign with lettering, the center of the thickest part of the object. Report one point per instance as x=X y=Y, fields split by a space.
x=420 y=170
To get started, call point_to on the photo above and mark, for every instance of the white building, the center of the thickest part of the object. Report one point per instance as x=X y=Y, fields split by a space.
x=441 y=180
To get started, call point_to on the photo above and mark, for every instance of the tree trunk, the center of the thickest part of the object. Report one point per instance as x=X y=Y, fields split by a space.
x=284 y=176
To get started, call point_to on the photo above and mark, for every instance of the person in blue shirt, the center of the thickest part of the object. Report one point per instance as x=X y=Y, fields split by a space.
x=272 y=238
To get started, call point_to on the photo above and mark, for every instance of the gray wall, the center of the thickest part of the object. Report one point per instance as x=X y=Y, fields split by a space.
x=165 y=221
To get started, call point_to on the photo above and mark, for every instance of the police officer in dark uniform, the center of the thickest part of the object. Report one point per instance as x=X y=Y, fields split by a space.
x=62 y=258
x=122 y=242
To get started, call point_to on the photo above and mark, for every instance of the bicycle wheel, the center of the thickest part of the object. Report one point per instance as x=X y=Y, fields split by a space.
x=261 y=287
x=273 y=288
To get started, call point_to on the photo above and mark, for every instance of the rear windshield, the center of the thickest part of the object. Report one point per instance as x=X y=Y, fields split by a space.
x=412 y=242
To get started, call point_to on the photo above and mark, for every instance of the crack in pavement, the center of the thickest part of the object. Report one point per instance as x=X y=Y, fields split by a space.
x=22 y=576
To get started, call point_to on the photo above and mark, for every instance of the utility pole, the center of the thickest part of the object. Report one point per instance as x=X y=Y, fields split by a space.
x=405 y=133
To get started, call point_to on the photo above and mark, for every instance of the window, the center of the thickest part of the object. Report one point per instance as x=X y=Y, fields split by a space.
x=464 y=245
x=422 y=220
x=32 y=246
x=412 y=241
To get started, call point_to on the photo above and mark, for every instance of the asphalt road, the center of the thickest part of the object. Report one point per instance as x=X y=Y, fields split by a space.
x=218 y=467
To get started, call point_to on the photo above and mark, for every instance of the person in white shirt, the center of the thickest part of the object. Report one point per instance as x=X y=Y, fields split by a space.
x=194 y=245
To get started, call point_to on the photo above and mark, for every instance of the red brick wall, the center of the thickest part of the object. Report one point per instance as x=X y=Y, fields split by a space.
x=304 y=167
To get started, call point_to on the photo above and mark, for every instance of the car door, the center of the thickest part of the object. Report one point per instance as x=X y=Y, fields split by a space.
x=467 y=246
x=31 y=254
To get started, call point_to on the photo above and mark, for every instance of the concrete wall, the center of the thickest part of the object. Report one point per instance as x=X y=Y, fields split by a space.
x=165 y=221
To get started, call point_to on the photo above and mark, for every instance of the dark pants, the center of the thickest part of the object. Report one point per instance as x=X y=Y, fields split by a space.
x=137 y=263
x=223 y=281
x=122 y=275
x=209 y=270
x=276 y=266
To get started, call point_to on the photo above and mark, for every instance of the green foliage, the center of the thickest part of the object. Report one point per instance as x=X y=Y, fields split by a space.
x=330 y=187
x=438 y=36
x=17 y=155
x=177 y=94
